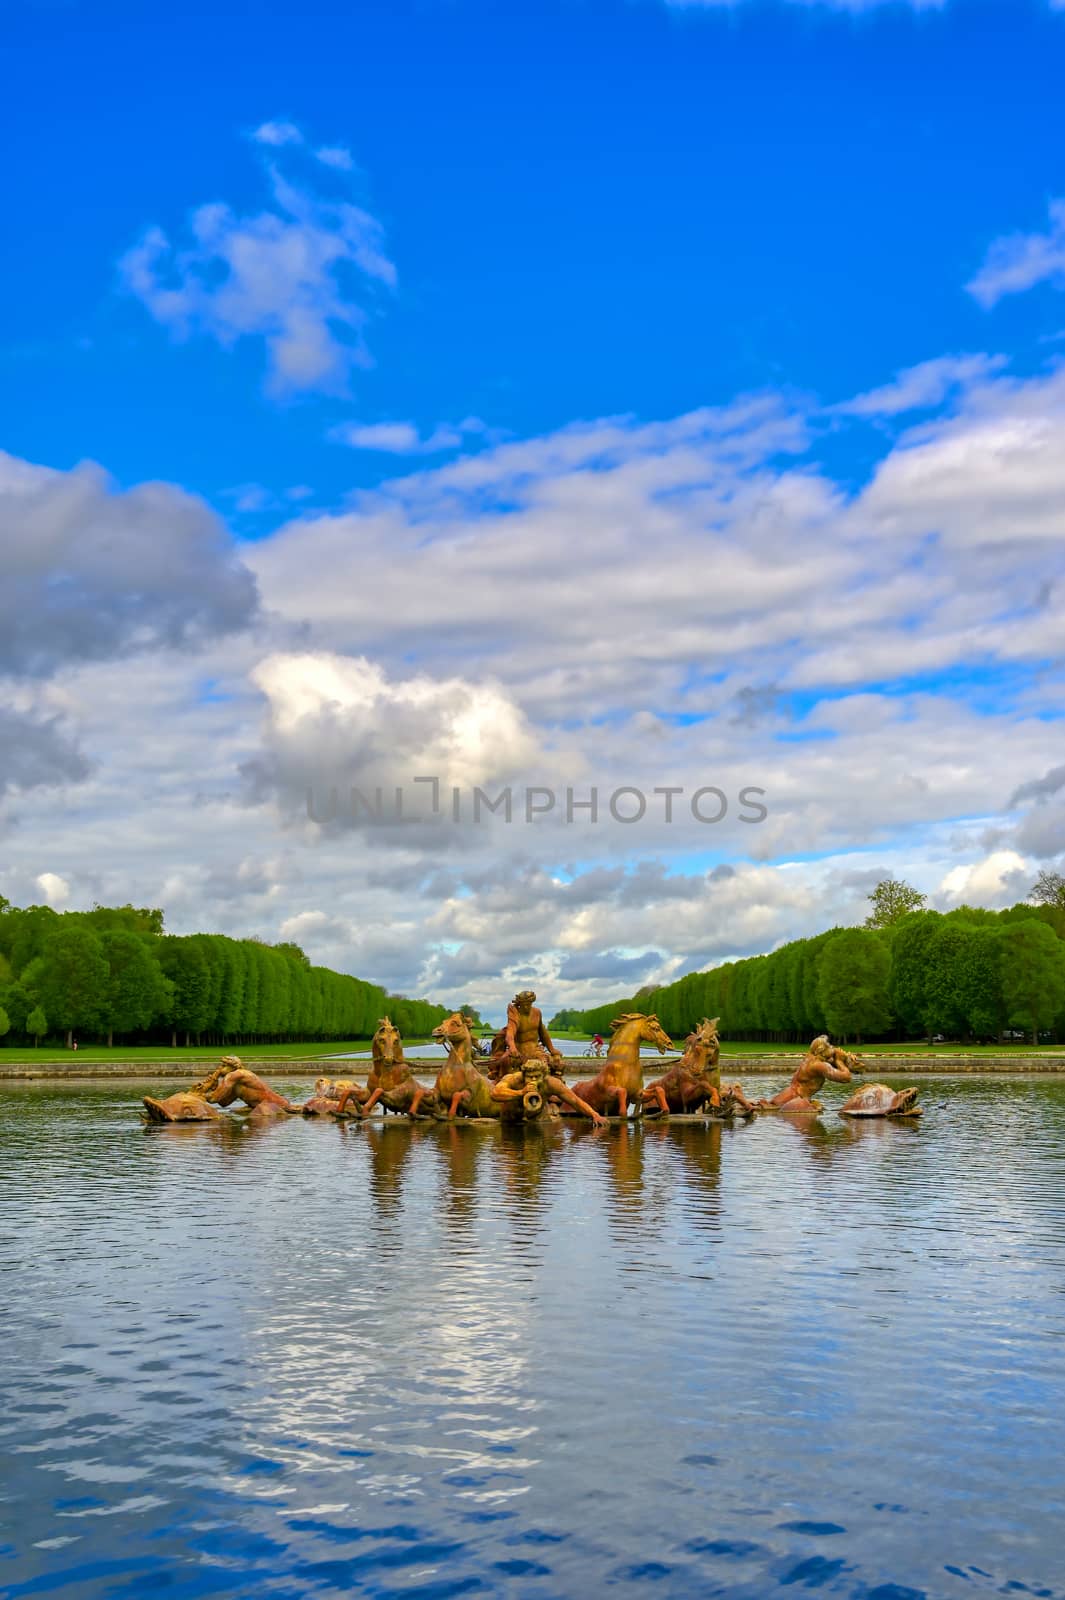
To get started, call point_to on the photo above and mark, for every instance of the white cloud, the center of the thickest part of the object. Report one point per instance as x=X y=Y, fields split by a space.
x=657 y=557
x=922 y=387
x=404 y=438
x=999 y=880
x=994 y=474
x=340 y=720
x=336 y=156
x=685 y=601
x=1021 y=260
x=56 y=890
x=276 y=134
x=283 y=276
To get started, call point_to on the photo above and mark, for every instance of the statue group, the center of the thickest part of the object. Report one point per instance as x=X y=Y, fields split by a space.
x=521 y=1080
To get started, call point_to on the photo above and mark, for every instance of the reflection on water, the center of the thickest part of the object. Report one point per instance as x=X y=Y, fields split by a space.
x=426 y=1360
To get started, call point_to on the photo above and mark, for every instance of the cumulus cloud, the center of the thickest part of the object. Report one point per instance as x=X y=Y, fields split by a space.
x=691 y=600
x=1019 y=261
x=1040 y=789
x=999 y=880
x=56 y=890
x=298 y=275
x=580 y=544
x=92 y=572
x=339 y=722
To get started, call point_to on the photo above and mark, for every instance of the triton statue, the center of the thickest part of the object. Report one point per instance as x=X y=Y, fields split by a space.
x=240 y=1083
x=822 y=1060
x=522 y=1094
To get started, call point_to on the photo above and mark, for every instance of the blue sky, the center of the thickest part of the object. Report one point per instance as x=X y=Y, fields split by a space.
x=592 y=208
x=624 y=389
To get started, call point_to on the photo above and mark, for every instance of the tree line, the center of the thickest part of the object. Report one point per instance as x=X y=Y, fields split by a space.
x=114 y=974
x=910 y=973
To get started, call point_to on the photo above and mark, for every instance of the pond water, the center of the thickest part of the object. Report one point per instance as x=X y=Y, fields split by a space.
x=313 y=1359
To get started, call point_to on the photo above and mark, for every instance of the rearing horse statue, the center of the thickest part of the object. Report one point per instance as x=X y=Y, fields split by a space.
x=391 y=1079
x=459 y=1083
x=621 y=1075
x=695 y=1081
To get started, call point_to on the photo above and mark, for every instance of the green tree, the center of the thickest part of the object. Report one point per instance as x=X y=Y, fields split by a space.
x=943 y=1007
x=37 y=1025
x=852 y=983
x=294 y=952
x=136 y=992
x=135 y=919
x=1033 y=976
x=71 y=982
x=25 y=931
x=912 y=942
x=5 y=1022
x=978 y=977
x=892 y=899
x=17 y=1003
x=184 y=964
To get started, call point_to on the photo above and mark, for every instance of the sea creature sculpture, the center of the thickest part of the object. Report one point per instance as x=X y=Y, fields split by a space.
x=822 y=1060
x=240 y=1083
x=621 y=1075
x=877 y=1100
x=328 y=1094
x=190 y=1105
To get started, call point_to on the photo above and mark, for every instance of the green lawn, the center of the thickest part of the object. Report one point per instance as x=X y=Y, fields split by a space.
x=746 y=1047
x=253 y=1052
x=315 y=1050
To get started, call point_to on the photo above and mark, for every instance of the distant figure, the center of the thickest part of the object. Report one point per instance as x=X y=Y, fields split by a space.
x=597 y=1045
x=73 y=1044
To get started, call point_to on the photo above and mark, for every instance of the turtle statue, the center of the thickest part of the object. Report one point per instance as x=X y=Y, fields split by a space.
x=328 y=1094
x=877 y=1100
x=191 y=1104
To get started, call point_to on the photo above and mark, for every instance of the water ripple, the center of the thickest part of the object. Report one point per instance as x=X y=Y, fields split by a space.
x=430 y=1361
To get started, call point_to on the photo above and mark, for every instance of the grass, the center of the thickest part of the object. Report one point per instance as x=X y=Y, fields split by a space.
x=301 y=1050
x=315 y=1050
x=919 y=1047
